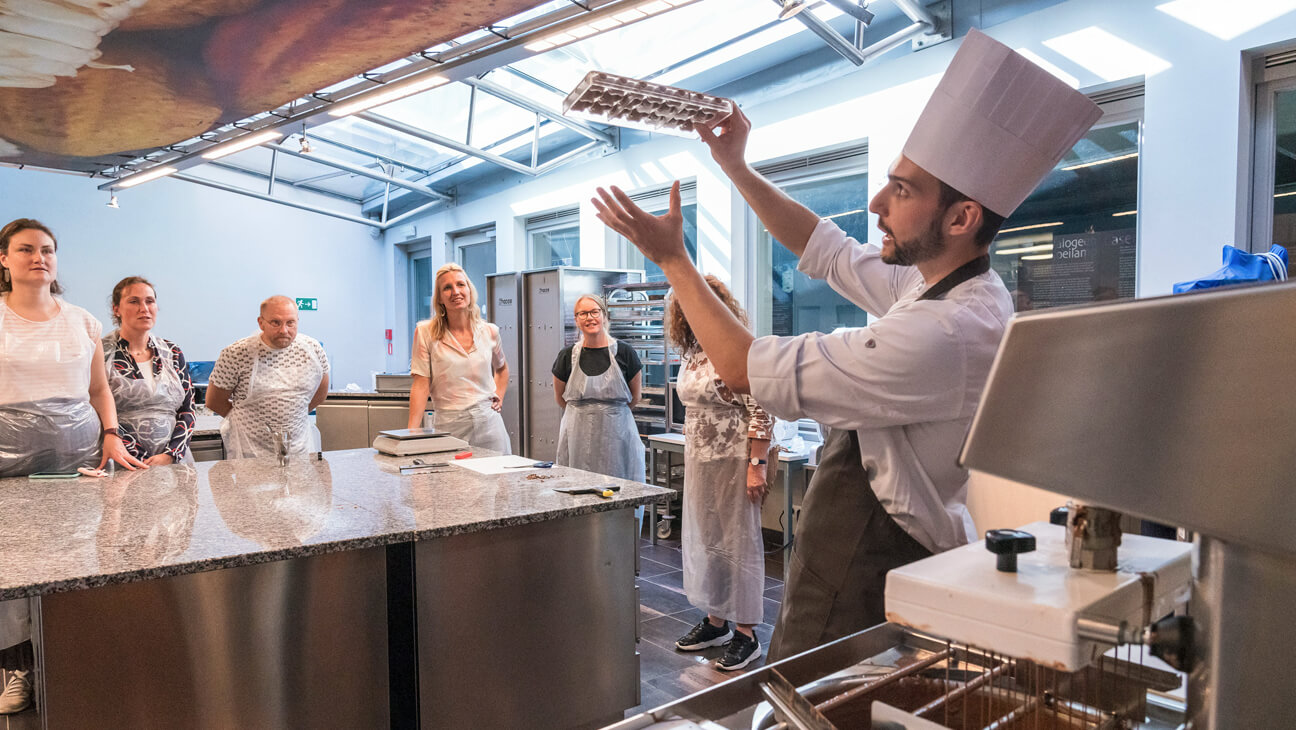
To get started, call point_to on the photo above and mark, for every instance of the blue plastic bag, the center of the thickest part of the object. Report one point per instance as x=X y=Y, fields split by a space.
x=1241 y=267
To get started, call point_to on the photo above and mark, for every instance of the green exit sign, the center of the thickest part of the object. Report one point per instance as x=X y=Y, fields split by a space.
x=311 y=303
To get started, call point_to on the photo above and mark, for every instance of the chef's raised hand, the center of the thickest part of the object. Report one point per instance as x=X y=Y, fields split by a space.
x=729 y=147
x=658 y=237
x=114 y=449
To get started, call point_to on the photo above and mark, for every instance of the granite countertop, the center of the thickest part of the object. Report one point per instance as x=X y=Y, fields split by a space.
x=62 y=535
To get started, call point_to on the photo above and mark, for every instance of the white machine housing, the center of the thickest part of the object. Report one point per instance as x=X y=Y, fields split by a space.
x=1034 y=613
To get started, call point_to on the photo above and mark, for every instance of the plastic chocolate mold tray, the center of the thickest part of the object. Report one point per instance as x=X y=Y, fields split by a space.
x=628 y=102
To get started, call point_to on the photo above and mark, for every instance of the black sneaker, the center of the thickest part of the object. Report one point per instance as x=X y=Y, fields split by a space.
x=741 y=651
x=705 y=634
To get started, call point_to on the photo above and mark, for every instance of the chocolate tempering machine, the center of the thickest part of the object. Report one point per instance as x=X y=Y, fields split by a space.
x=1173 y=409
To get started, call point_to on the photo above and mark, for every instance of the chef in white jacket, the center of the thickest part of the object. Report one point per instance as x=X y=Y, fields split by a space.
x=899 y=394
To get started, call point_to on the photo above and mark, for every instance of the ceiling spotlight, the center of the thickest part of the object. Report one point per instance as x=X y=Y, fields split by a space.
x=305 y=144
x=791 y=7
x=858 y=11
x=112 y=201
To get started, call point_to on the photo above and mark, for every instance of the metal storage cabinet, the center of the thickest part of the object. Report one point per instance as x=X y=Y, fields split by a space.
x=504 y=309
x=549 y=298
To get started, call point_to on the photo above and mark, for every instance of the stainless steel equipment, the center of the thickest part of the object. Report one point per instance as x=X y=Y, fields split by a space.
x=944 y=685
x=637 y=318
x=1174 y=409
x=504 y=309
x=548 y=302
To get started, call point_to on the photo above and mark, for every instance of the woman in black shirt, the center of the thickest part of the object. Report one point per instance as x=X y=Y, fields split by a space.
x=598 y=431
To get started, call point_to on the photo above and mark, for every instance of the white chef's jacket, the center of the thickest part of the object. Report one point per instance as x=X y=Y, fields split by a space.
x=908 y=383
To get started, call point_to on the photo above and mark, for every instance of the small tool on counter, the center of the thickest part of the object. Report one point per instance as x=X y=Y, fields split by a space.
x=464 y=455
x=536 y=465
x=97 y=473
x=605 y=492
x=424 y=467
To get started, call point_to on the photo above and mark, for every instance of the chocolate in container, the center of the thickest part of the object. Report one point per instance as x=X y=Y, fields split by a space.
x=627 y=102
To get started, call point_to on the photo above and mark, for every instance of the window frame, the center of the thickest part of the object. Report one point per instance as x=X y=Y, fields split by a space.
x=554 y=220
x=1270 y=81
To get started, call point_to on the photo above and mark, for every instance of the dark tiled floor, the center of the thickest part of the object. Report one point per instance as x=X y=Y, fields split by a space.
x=666 y=674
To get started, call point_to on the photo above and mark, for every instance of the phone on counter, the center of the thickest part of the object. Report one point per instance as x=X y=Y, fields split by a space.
x=53 y=475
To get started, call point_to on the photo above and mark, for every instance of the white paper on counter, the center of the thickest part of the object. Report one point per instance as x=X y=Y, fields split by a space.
x=496 y=464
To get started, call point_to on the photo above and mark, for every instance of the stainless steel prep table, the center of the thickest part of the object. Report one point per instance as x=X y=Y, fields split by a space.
x=244 y=594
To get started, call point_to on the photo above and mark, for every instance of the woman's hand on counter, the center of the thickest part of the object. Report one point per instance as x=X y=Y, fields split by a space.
x=159 y=460
x=114 y=449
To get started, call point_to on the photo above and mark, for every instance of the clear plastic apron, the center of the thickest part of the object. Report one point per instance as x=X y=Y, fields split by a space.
x=598 y=431
x=38 y=432
x=147 y=408
x=481 y=426
x=278 y=400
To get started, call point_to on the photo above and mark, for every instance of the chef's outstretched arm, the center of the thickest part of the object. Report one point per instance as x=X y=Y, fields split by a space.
x=661 y=238
x=787 y=220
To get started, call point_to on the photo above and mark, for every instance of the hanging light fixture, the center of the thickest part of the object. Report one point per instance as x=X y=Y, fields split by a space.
x=112 y=200
x=791 y=8
x=305 y=143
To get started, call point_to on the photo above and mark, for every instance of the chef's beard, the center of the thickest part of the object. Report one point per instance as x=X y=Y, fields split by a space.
x=923 y=247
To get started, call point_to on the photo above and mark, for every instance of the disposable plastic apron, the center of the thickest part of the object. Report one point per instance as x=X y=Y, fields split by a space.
x=37 y=432
x=480 y=425
x=277 y=401
x=724 y=559
x=598 y=431
x=149 y=412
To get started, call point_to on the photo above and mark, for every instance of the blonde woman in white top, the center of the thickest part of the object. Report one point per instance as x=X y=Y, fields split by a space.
x=458 y=362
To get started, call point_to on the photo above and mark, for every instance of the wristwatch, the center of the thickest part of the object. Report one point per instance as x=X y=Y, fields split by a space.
x=757 y=462
x=111 y=432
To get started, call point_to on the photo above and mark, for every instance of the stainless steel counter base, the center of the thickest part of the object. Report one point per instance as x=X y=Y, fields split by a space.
x=295 y=643
x=528 y=627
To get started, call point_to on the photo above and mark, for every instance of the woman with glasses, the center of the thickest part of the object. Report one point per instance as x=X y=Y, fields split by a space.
x=596 y=383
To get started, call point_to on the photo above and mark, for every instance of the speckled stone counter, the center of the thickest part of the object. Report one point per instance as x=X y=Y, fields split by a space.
x=61 y=535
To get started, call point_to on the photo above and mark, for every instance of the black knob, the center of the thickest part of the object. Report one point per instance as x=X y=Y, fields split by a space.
x=1059 y=515
x=1007 y=544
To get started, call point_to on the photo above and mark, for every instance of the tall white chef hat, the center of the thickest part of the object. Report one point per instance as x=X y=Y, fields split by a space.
x=997 y=124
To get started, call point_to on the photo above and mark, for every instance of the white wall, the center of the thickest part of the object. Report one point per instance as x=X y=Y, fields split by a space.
x=213 y=256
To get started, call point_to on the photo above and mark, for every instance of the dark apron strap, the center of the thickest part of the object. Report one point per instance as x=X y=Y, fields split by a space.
x=970 y=270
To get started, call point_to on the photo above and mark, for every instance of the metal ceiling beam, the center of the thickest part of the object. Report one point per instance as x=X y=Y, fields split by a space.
x=370 y=153
x=516 y=99
x=317 y=178
x=409 y=214
x=300 y=184
x=435 y=138
x=832 y=38
x=362 y=171
x=272 y=199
